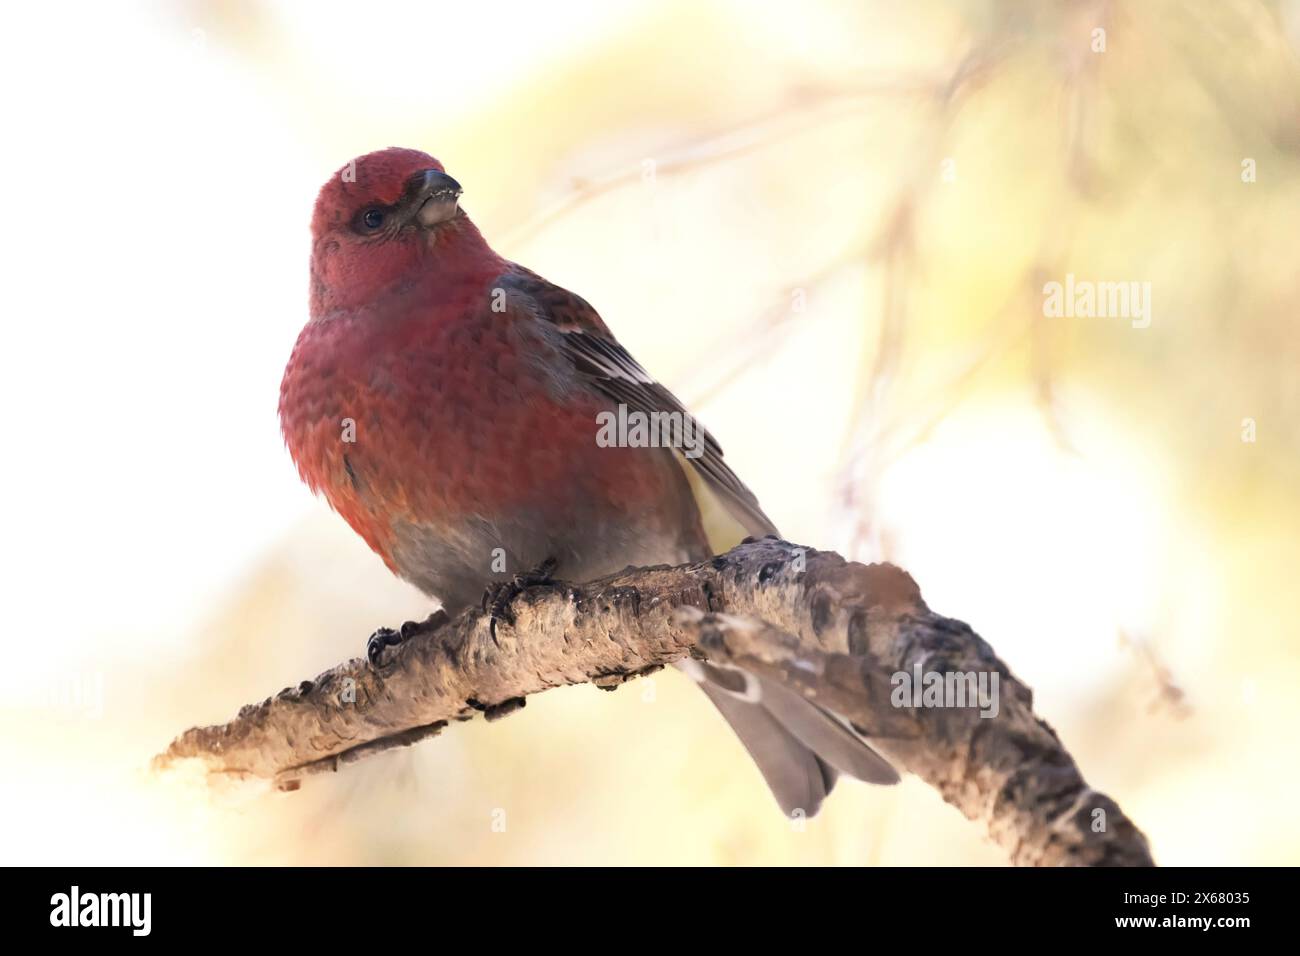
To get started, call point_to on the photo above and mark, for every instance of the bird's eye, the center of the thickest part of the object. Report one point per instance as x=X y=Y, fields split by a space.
x=373 y=218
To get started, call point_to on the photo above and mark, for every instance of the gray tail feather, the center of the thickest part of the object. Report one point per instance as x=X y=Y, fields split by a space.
x=799 y=748
x=825 y=734
x=798 y=780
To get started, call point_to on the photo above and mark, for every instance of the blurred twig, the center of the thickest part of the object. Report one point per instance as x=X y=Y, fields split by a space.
x=836 y=632
x=734 y=354
x=1168 y=695
x=806 y=109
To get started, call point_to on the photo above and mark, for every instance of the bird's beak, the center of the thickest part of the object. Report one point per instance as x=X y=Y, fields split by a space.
x=436 y=198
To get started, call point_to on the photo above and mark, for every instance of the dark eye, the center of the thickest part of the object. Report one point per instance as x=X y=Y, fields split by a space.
x=373 y=218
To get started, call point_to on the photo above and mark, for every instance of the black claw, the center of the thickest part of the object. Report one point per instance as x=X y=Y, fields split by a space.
x=383 y=638
x=497 y=598
x=386 y=637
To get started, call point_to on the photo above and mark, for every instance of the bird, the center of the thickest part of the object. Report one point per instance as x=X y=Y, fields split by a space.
x=445 y=402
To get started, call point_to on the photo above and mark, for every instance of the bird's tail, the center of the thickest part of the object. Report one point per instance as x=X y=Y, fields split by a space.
x=799 y=747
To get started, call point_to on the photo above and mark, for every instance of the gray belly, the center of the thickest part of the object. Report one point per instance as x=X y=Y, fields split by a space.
x=455 y=564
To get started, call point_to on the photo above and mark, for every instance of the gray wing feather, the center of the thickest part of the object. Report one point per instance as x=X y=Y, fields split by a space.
x=617 y=374
x=610 y=368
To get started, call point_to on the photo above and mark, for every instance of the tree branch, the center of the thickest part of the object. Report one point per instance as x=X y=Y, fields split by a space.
x=837 y=632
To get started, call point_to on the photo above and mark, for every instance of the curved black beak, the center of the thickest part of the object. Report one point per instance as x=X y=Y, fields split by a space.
x=436 y=198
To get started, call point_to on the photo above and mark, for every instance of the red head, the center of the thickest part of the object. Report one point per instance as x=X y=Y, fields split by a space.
x=386 y=218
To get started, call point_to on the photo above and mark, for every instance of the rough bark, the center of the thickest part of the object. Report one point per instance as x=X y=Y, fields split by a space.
x=837 y=632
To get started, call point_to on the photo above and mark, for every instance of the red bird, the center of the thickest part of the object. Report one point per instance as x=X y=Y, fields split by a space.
x=446 y=402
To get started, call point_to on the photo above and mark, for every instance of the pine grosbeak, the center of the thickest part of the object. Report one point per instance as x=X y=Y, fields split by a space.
x=474 y=389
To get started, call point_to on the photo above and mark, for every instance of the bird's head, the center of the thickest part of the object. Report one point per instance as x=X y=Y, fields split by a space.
x=386 y=218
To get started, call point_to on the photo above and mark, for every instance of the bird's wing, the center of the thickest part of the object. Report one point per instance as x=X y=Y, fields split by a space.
x=597 y=355
x=799 y=747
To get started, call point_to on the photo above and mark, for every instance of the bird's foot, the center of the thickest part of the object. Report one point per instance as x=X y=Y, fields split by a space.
x=386 y=637
x=497 y=598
